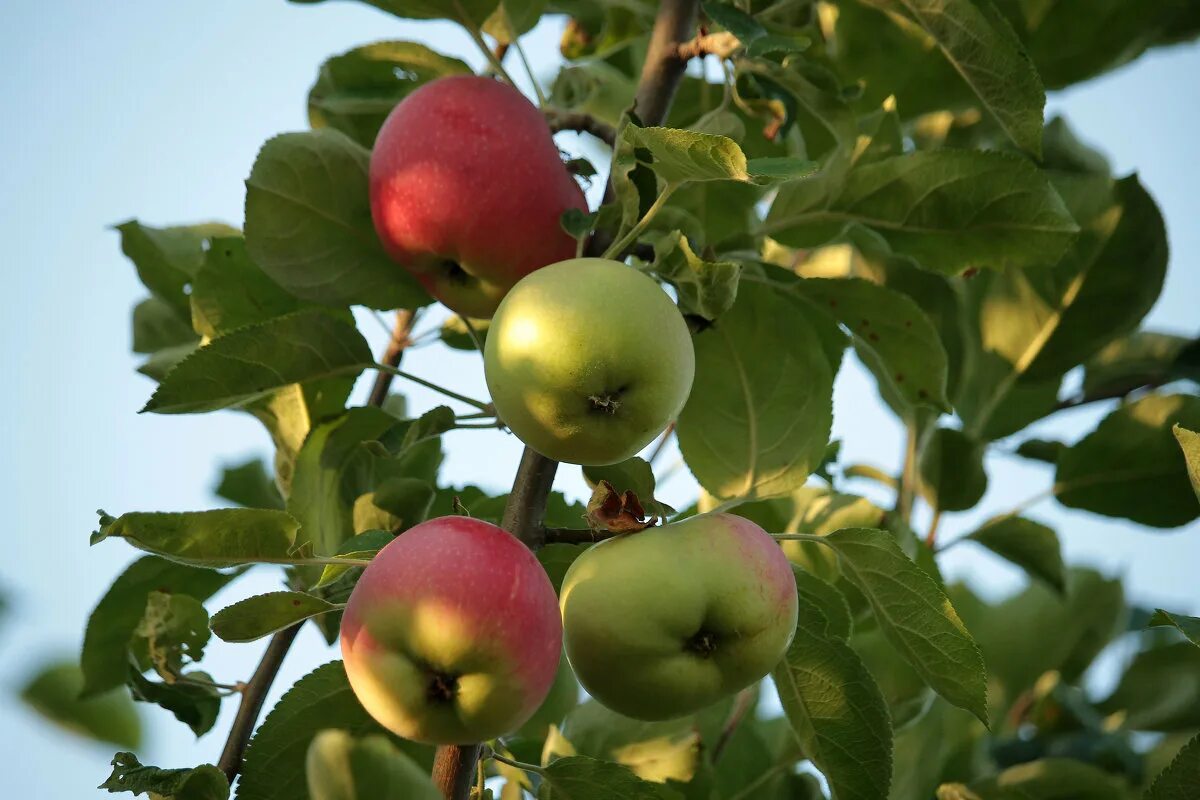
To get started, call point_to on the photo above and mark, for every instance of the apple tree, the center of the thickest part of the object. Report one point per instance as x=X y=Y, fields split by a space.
x=782 y=182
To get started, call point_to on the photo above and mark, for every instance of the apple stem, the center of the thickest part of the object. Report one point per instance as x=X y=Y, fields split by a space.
x=537 y=87
x=453 y=395
x=477 y=37
x=614 y=250
x=521 y=765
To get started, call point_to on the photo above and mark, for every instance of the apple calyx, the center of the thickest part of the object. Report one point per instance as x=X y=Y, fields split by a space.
x=607 y=403
x=442 y=688
x=703 y=643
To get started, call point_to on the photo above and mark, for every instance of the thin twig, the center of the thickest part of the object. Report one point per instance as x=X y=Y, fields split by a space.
x=931 y=536
x=453 y=395
x=401 y=338
x=741 y=706
x=583 y=123
x=661 y=445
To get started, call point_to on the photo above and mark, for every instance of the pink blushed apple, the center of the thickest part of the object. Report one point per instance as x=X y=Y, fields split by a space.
x=467 y=189
x=452 y=634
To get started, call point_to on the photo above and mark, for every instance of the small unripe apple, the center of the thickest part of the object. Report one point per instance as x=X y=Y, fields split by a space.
x=663 y=622
x=452 y=634
x=467 y=188
x=588 y=360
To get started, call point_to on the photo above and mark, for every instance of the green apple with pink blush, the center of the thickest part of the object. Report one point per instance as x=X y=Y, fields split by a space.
x=663 y=622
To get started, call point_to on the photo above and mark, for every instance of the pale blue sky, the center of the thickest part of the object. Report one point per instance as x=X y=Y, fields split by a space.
x=152 y=109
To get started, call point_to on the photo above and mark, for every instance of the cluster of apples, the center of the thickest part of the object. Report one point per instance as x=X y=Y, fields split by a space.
x=454 y=632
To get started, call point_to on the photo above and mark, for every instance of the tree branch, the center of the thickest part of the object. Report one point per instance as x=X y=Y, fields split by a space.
x=264 y=675
x=527 y=502
x=583 y=123
x=664 y=65
x=391 y=357
x=252 y=701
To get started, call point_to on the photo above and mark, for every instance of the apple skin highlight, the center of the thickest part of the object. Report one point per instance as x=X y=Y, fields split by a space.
x=452 y=634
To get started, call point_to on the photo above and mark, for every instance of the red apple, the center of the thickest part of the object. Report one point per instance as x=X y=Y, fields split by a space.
x=467 y=188
x=452 y=634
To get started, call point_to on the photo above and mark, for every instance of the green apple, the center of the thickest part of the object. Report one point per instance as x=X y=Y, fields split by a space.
x=588 y=360
x=663 y=622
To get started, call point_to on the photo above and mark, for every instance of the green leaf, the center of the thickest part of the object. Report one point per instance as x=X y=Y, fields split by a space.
x=230 y=291
x=1130 y=466
x=157 y=325
x=679 y=156
x=756 y=427
x=705 y=288
x=341 y=767
x=1101 y=297
x=219 y=538
x=355 y=91
x=811 y=509
x=167 y=259
x=1063 y=150
x=289 y=415
x=952 y=477
x=1188 y=626
x=1051 y=779
x=916 y=616
x=471 y=13
x=1045 y=450
x=455 y=333
x=948 y=209
x=248 y=484
x=308 y=224
x=1038 y=630
x=204 y=782
x=631 y=475
x=338 y=464
x=835 y=709
x=173 y=629
x=54 y=692
x=1181 y=776
x=583 y=778
x=653 y=751
x=253 y=361
x=1030 y=545
x=362 y=546
x=1028 y=328
x=1189 y=442
x=826 y=598
x=733 y=19
x=1142 y=358
x=985 y=51
x=264 y=614
x=274 y=766
x=557 y=558
x=891 y=334
x=1073 y=40
x=1160 y=690
x=105 y=659
x=513 y=18
x=192 y=701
